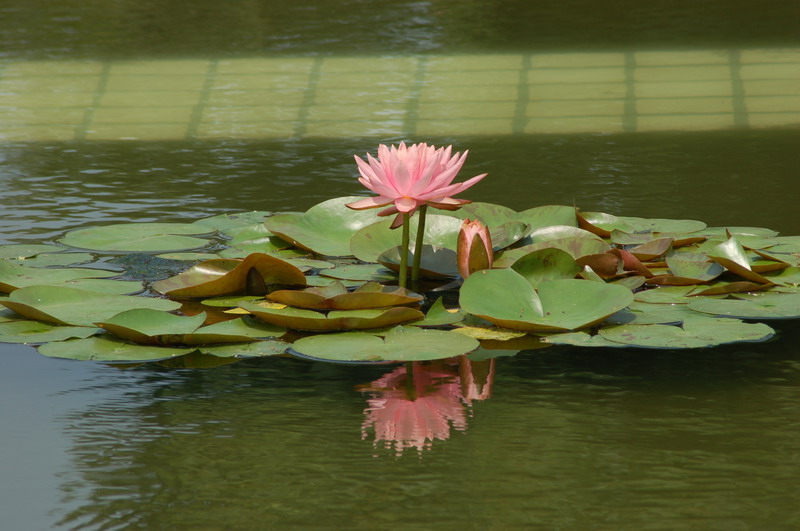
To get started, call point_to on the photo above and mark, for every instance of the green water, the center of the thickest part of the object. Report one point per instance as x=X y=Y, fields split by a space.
x=567 y=439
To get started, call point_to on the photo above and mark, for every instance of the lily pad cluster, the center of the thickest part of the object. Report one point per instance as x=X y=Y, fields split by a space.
x=322 y=284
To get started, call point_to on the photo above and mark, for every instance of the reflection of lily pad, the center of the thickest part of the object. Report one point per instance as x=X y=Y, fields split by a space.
x=228 y=276
x=325 y=228
x=299 y=319
x=138 y=237
x=71 y=306
x=506 y=299
x=399 y=344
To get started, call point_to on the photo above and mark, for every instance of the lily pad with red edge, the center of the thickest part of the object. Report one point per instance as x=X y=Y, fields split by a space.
x=652 y=250
x=399 y=344
x=731 y=255
x=300 y=319
x=337 y=297
x=373 y=240
x=694 y=333
x=689 y=269
x=325 y=228
x=606 y=265
x=229 y=276
x=436 y=262
x=71 y=306
x=602 y=224
x=546 y=264
x=506 y=299
x=138 y=237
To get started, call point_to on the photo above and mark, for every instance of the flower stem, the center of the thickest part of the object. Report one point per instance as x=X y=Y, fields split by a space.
x=404 y=252
x=418 y=246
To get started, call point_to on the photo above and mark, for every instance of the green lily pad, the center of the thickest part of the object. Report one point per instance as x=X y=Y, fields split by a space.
x=581 y=339
x=373 y=240
x=325 y=228
x=241 y=330
x=26 y=250
x=336 y=297
x=229 y=276
x=299 y=319
x=788 y=277
x=722 y=233
x=138 y=237
x=506 y=299
x=188 y=257
x=103 y=285
x=548 y=216
x=436 y=262
x=226 y=222
x=666 y=295
x=102 y=348
x=546 y=264
x=37 y=332
x=574 y=246
x=756 y=306
x=693 y=266
x=731 y=255
x=699 y=333
x=647 y=313
x=438 y=315
x=399 y=344
x=55 y=259
x=228 y=302
x=652 y=249
x=317 y=281
x=14 y=276
x=669 y=226
x=146 y=326
x=602 y=224
x=255 y=349
x=490 y=214
x=71 y=306
x=362 y=272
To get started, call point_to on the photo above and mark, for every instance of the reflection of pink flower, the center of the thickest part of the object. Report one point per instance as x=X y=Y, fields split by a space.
x=477 y=378
x=408 y=414
x=409 y=177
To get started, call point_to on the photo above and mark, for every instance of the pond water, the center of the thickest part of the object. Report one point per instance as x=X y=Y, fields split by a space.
x=143 y=111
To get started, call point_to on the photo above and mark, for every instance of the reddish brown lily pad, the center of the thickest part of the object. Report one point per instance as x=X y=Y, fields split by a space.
x=336 y=297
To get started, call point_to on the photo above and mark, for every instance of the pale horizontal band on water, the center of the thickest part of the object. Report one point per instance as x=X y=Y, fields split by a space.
x=434 y=95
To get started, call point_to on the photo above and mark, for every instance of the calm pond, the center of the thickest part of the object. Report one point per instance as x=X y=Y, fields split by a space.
x=152 y=111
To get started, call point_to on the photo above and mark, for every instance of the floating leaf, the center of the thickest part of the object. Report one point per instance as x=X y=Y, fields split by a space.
x=151 y=327
x=670 y=226
x=602 y=224
x=138 y=237
x=546 y=264
x=699 y=333
x=731 y=255
x=581 y=339
x=373 y=240
x=576 y=247
x=56 y=259
x=336 y=297
x=228 y=302
x=37 y=332
x=71 y=306
x=188 y=257
x=243 y=329
x=362 y=272
x=666 y=295
x=547 y=216
x=493 y=333
x=757 y=306
x=14 y=276
x=229 y=276
x=226 y=222
x=256 y=349
x=438 y=315
x=299 y=319
x=652 y=250
x=101 y=348
x=26 y=250
x=647 y=313
x=506 y=299
x=325 y=228
x=436 y=262
x=399 y=344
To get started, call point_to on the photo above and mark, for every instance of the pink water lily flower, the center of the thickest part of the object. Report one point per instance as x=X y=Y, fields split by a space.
x=409 y=177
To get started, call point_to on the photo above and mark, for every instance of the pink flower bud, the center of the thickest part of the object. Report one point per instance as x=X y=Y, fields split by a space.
x=474 y=248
